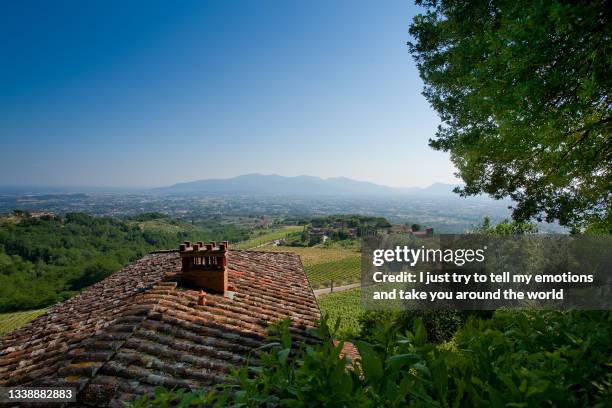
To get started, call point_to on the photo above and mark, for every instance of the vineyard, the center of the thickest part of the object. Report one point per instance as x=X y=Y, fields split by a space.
x=267 y=237
x=341 y=272
x=322 y=265
x=345 y=306
x=11 y=321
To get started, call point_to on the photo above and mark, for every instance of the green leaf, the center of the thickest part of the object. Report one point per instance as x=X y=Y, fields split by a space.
x=371 y=363
x=283 y=355
x=403 y=359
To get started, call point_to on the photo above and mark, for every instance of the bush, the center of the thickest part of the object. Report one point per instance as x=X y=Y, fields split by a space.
x=440 y=325
x=514 y=359
x=345 y=308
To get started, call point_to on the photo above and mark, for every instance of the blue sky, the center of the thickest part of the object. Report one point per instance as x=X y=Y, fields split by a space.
x=151 y=93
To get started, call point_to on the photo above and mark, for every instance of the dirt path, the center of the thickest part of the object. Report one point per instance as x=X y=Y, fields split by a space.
x=325 y=291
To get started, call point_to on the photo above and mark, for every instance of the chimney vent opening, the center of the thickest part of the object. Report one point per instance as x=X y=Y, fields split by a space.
x=204 y=266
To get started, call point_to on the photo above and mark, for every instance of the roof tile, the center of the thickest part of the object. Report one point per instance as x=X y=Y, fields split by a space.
x=139 y=328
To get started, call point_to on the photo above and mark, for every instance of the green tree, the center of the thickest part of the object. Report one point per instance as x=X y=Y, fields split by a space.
x=47 y=260
x=524 y=93
x=505 y=227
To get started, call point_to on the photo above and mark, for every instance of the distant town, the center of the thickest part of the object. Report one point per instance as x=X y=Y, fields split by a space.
x=446 y=214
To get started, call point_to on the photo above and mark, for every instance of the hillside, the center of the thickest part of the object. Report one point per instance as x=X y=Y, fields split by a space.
x=46 y=260
x=300 y=185
x=324 y=265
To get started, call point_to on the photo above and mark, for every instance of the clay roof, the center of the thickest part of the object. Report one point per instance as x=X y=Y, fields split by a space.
x=138 y=329
x=349 y=350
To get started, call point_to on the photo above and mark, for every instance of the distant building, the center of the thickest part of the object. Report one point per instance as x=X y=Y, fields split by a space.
x=317 y=232
x=338 y=224
x=400 y=229
x=263 y=223
x=429 y=231
x=329 y=232
x=40 y=214
x=405 y=229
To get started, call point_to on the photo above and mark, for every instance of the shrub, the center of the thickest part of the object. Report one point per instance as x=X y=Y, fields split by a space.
x=440 y=325
x=514 y=359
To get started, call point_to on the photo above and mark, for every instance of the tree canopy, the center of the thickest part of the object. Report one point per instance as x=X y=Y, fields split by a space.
x=47 y=260
x=524 y=93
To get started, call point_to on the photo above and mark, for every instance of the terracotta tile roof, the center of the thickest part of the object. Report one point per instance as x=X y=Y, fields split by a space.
x=137 y=329
x=348 y=350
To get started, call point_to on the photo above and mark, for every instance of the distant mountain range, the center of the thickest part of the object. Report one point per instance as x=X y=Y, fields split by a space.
x=300 y=185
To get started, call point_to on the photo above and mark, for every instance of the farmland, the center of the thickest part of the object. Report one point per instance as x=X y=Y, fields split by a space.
x=342 y=271
x=322 y=265
x=268 y=237
x=11 y=321
x=345 y=306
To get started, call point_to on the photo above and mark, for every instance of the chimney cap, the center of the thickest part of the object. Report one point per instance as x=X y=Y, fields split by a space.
x=204 y=267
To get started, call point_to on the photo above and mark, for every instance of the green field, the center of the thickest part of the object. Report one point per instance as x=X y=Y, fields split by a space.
x=322 y=265
x=166 y=226
x=11 y=321
x=341 y=272
x=267 y=237
x=313 y=255
x=345 y=306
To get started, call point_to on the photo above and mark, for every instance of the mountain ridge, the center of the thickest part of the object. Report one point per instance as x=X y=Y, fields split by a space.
x=274 y=184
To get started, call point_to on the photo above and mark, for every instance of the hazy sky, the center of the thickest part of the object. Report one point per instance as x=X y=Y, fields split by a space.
x=151 y=93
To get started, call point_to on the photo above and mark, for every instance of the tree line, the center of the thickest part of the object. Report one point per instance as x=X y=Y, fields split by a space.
x=49 y=259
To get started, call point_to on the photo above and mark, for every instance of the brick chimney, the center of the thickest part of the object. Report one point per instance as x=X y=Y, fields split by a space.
x=204 y=266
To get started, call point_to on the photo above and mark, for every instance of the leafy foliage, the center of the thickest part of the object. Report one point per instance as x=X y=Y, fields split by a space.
x=440 y=325
x=505 y=227
x=47 y=260
x=524 y=93
x=514 y=359
x=356 y=323
x=345 y=308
